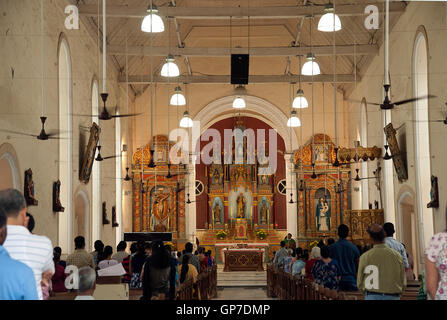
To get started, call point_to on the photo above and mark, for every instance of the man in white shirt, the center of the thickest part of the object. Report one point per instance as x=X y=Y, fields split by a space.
x=33 y=250
x=393 y=243
x=87 y=284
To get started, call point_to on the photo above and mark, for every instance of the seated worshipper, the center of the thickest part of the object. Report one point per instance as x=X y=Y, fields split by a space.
x=136 y=266
x=194 y=259
x=384 y=265
x=298 y=266
x=148 y=249
x=99 y=247
x=16 y=278
x=330 y=241
x=120 y=252
x=174 y=276
x=347 y=256
x=326 y=271
x=210 y=258
x=187 y=271
x=288 y=260
x=290 y=243
x=157 y=273
x=280 y=255
x=87 y=284
x=203 y=259
x=33 y=250
x=106 y=260
x=58 y=279
x=30 y=223
x=314 y=256
x=59 y=251
x=80 y=258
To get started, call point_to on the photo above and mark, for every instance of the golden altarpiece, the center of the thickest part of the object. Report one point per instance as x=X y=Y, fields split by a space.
x=324 y=195
x=158 y=190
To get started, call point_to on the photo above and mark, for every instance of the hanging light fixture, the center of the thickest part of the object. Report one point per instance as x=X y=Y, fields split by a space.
x=293 y=121
x=178 y=99
x=170 y=68
x=152 y=22
x=311 y=67
x=329 y=22
x=186 y=121
x=300 y=101
x=239 y=102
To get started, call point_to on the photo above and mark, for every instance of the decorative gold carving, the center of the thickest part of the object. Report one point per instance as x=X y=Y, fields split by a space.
x=348 y=154
x=324 y=151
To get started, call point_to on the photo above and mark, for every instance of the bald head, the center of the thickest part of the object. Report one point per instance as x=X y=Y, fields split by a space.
x=377 y=233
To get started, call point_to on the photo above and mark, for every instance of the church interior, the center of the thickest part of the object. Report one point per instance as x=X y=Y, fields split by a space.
x=236 y=123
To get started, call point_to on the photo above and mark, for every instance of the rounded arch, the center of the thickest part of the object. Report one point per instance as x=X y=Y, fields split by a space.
x=256 y=107
x=9 y=168
x=81 y=216
x=422 y=136
x=64 y=77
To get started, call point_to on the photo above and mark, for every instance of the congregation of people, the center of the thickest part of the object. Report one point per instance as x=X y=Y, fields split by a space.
x=379 y=272
x=31 y=269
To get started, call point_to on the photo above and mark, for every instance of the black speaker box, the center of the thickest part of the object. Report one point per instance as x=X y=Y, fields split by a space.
x=239 y=68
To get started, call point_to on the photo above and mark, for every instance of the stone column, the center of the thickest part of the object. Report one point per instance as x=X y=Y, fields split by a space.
x=190 y=209
x=292 y=219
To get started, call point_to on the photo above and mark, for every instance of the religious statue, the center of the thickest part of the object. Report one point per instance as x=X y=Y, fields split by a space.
x=216 y=176
x=216 y=213
x=57 y=206
x=264 y=213
x=114 y=222
x=29 y=189
x=104 y=214
x=323 y=215
x=160 y=214
x=240 y=206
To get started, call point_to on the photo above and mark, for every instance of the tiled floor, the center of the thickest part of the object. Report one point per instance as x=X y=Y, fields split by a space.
x=231 y=293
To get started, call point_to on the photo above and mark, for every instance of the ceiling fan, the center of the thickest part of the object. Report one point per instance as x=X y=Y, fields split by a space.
x=43 y=135
x=444 y=121
x=100 y=158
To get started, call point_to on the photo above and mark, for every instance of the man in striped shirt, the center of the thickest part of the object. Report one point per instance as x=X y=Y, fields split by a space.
x=33 y=250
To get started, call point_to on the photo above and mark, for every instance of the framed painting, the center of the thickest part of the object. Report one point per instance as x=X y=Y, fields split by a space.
x=89 y=155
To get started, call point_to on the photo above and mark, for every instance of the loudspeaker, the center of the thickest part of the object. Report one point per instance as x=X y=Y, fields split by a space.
x=239 y=68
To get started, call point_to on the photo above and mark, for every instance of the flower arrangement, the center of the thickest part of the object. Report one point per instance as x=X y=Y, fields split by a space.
x=313 y=244
x=221 y=234
x=171 y=245
x=261 y=234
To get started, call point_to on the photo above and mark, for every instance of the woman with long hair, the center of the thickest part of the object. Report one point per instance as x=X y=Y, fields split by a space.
x=136 y=266
x=158 y=271
x=105 y=260
x=187 y=271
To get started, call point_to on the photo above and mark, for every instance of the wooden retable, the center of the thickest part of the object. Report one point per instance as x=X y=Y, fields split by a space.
x=243 y=260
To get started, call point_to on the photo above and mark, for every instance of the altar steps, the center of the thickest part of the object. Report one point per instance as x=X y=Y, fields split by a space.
x=241 y=279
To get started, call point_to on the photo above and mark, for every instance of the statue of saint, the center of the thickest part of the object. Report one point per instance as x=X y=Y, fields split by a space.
x=216 y=176
x=241 y=206
x=264 y=213
x=160 y=214
x=216 y=213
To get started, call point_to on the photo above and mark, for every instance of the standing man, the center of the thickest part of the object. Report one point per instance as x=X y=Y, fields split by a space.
x=193 y=259
x=280 y=255
x=381 y=269
x=33 y=250
x=80 y=258
x=393 y=243
x=16 y=278
x=347 y=256
x=290 y=242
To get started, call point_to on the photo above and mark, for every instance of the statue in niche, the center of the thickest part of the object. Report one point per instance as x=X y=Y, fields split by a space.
x=216 y=176
x=216 y=213
x=114 y=222
x=57 y=206
x=104 y=214
x=264 y=213
x=240 y=206
x=29 y=189
x=160 y=214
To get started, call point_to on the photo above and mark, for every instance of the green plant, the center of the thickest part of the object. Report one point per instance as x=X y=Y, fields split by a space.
x=261 y=234
x=313 y=244
x=221 y=234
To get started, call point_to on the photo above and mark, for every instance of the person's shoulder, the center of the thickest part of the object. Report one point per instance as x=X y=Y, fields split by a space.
x=393 y=253
x=42 y=240
x=20 y=268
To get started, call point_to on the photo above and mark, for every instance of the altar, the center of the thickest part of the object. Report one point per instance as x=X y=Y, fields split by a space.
x=221 y=247
x=243 y=259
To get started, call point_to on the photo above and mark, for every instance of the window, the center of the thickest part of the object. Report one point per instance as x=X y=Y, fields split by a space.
x=199 y=187
x=422 y=138
x=364 y=143
x=282 y=187
x=65 y=146
x=96 y=174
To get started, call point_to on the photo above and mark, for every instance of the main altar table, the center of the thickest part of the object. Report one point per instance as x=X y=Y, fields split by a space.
x=243 y=259
x=220 y=248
